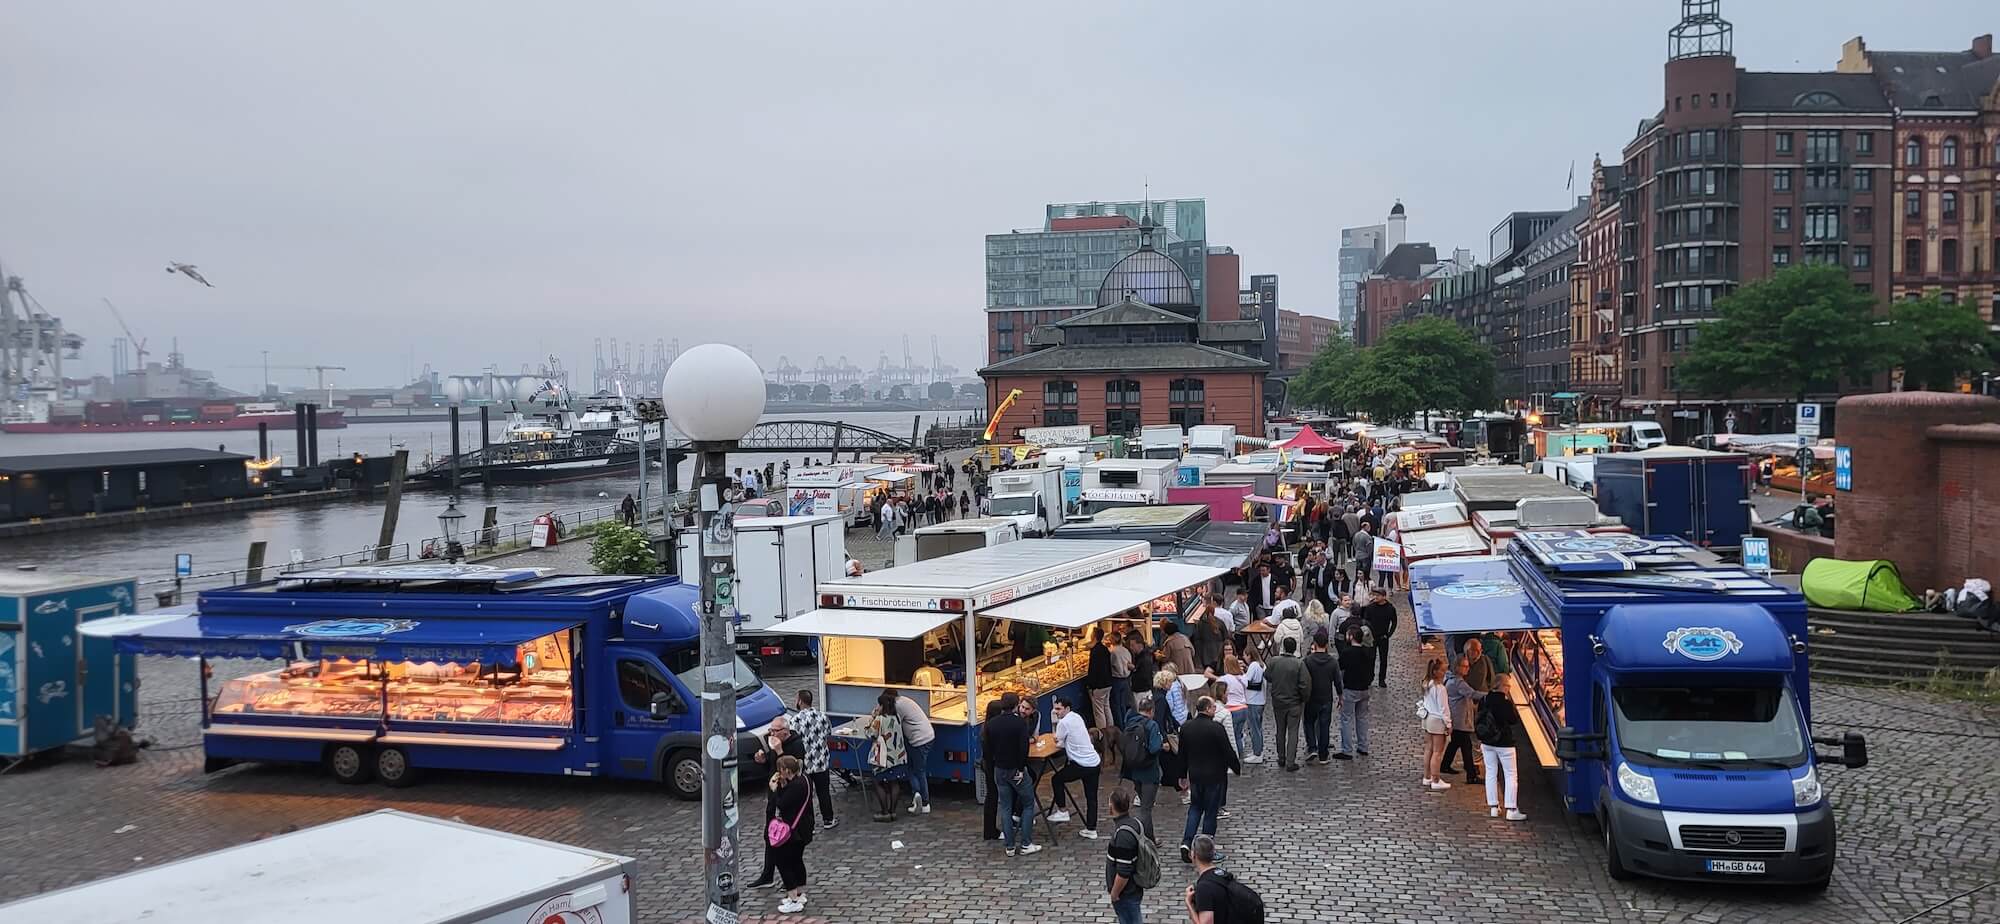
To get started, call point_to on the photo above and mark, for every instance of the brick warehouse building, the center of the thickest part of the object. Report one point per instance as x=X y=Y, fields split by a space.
x=1596 y=292
x=1145 y=355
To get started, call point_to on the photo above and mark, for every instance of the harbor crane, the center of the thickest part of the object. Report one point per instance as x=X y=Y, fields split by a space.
x=138 y=343
x=318 y=370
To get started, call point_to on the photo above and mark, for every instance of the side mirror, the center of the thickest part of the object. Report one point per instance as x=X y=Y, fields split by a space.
x=1853 y=750
x=665 y=704
x=1568 y=738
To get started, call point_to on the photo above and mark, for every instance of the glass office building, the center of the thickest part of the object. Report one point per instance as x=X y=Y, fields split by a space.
x=1054 y=268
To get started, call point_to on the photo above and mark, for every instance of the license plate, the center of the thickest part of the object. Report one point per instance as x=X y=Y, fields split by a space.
x=1752 y=867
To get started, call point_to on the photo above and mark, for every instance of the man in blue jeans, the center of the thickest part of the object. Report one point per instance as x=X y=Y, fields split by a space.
x=918 y=736
x=1210 y=758
x=1006 y=746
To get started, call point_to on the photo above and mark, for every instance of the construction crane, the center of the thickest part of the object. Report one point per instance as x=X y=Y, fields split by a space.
x=138 y=342
x=318 y=370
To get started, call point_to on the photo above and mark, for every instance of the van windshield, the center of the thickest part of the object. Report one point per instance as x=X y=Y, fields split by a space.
x=686 y=664
x=1014 y=505
x=1710 y=725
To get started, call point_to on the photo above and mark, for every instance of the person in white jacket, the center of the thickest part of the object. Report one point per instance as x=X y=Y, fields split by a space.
x=1434 y=711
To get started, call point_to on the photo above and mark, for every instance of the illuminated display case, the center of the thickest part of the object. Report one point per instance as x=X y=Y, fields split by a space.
x=1538 y=662
x=536 y=693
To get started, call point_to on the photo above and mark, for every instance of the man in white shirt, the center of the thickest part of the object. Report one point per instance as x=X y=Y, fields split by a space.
x=1083 y=765
x=1282 y=605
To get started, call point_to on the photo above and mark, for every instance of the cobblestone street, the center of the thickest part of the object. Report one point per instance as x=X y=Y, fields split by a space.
x=1354 y=841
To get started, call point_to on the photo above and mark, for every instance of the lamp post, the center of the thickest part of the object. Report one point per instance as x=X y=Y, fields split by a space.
x=451 y=520
x=714 y=393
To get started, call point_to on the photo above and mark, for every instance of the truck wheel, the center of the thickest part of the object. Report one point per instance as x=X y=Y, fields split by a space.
x=349 y=763
x=393 y=768
x=683 y=775
x=1613 y=863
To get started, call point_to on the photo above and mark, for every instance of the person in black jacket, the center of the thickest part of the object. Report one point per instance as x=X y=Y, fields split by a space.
x=779 y=742
x=1143 y=665
x=1322 y=695
x=1381 y=617
x=1097 y=682
x=1007 y=737
x=793 y=803
x=1495 y=729
x=1210 y=758
x=992 y=830
x=1357 y=661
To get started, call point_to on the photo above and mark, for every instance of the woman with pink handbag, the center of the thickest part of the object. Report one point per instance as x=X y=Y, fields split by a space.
x=788 y=828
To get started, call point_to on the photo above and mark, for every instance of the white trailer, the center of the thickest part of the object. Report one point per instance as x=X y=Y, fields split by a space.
x=383 y=866
x=943 y=539
x=1031 y=498
x=1109 y=483
x=1218 y=440
x=778 y=562
x=1162 y=441
x=841 y=489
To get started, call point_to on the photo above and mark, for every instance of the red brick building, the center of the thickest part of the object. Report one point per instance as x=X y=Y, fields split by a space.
x=1145 y=355
x=1300 y=337
x=1597 y=289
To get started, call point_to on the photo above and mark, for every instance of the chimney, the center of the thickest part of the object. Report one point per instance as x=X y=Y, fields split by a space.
x=1982 y=46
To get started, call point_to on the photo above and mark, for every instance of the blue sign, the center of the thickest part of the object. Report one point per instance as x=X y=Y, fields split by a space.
x=1703 y=643
x=1072 y=481
x=352 y=628
x=1187 y=476
x=1843 y=468
x=183 y=565
x=1756 y=553
x=1478 y=590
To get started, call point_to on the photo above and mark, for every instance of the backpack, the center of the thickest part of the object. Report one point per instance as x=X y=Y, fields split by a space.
x=1245 y=905
x=1485 y=727
x=1146 y=866
x=1133 y=753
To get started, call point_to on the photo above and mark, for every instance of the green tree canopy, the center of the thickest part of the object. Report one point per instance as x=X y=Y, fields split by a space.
x=1449 y=370
x=854 y=393
x=621 y=549
x=1936 y=343
x=1320 y=382
x=822 y=394
x=1804 y=329
x=941 y=391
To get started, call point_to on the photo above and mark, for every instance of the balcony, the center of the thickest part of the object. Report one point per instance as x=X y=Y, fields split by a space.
x=1824 y=194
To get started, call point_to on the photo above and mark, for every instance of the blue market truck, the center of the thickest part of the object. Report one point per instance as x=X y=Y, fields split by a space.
x=385 y=671
x=1669 y=696
x=1698 y=495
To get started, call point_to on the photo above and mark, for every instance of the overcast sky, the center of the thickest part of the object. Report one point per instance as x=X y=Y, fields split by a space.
x=489 y=182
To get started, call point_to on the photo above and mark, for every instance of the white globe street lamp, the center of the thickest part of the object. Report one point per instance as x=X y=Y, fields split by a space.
x=714 y=393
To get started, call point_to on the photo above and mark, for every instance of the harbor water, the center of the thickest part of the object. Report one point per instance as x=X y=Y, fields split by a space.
x=315 y=530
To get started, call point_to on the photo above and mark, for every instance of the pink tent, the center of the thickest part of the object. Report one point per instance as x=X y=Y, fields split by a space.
x=1308 y=440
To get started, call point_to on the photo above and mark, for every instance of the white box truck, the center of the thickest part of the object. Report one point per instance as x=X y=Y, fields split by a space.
x=943 y=539
x=1216 y=440
x=1109 y=483
x=841 y=489
x=778 y=561
x=1032 y=498
x=382 y=866
x=1162 y=441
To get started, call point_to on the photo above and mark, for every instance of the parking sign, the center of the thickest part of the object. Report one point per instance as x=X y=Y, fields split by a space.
x=1808 y=418
x=1843 y=468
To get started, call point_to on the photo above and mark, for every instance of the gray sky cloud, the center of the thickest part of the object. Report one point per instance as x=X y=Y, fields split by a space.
x=493 y=182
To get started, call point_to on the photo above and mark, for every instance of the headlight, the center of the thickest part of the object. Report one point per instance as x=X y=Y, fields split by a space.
x=1806 y=789
x=1637 y=785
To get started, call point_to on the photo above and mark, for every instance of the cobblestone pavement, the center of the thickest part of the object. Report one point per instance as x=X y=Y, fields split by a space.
x=1355 y=841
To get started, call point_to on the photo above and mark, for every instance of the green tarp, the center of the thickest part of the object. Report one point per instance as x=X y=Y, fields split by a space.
x=1856 y=585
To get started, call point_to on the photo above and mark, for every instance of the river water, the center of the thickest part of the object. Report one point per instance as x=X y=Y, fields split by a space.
x=220 y=543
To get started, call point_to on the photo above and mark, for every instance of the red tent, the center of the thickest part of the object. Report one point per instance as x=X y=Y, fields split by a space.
x=1308 y=440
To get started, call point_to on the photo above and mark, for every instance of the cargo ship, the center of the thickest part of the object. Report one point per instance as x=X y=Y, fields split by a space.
x=39 y=413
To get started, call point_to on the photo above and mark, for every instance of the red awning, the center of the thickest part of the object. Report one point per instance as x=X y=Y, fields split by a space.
x=1309 y=440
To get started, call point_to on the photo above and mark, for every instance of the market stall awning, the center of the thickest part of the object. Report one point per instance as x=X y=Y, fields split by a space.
x=1261 y=499
x=884 y=624
x=1309 y=440
x=1474 y=594
x=1084 y=602
x=1444 y=540
x=489 y=641
x=893 y=477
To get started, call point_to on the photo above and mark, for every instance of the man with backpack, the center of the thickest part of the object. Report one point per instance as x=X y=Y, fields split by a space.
x=1139 y=757
x=1216 y=896
x=1131 y=864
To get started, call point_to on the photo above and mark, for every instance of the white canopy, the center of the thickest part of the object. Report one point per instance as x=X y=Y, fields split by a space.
x=1084 y=602
x=889 y=624
x=1449 y=540
x=892 y=477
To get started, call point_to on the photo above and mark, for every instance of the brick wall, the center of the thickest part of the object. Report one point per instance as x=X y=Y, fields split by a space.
x=1791 y=549
x=1924 y=478
x=1229 y=398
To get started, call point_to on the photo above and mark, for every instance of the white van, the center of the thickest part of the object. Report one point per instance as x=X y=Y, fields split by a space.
x=1638 y=434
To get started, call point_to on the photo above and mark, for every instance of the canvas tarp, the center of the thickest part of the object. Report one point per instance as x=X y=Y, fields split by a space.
x=1856 y=585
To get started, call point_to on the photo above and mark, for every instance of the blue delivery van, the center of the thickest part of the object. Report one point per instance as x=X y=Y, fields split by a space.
x=1668 y=695
x=387 y=670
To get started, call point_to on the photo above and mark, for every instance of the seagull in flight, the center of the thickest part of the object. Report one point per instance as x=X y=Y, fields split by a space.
x=188 y=270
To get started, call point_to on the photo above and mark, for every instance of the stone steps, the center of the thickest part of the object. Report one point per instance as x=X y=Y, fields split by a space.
x=1888 y=648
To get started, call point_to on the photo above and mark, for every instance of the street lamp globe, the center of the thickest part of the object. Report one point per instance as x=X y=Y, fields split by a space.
x=714 y=393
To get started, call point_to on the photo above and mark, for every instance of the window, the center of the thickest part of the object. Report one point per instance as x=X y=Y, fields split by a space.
x=1781 y=219
x=1694 y=101
x=1677 y=104
x=1948 y=205
x=1913 y=204
x=1781 y=256
x=1119 y=392
x=1822 y=223
x=1948 y=152
x=1635 y=381
x=1864 y=218
x=638 y=681
x=1186 y=391
x=1781 y=180
x=1708 y=138
x=1977 y=263
x=1864 y=142
x=1864 y=256
x=1059 y=393
x=1711 y=101
x=1058 y=418
x=1822 y=146
x=1185 y=416
x=1121 y=420
x=1864 y=180
x=1978 y=207
x=1949 y=298
x=1913 y=153
x=1822 y=178
x=1784 y=144
x=1948 y=255
x=1913 y=256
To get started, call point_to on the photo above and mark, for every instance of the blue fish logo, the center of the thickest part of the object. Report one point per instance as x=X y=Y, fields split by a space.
x=352 y=628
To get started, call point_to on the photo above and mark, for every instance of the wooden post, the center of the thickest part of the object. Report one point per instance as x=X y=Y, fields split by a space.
x=254 y=568
x=454 y=452
x=393 y=508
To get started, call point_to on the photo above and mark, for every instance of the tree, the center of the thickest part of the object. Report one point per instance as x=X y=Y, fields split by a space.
x=896 y=393
x=1449 y=370
x=1383 y=385
x=821 y=393
x=1936 y=343
x=972 y=390
x=854 y=393
x=1804 y=329
x=621 y=549
x=1322 y=379
x=802 y=392
x=774 y=392
x=941 y=391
